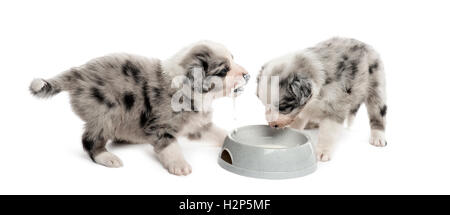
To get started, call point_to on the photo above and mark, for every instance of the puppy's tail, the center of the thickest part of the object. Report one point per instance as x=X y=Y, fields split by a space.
x=46 y=88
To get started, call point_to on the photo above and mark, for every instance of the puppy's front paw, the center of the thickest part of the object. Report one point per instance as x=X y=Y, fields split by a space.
x=323 y=154
x=172 y=159
x=108 y=159
x=179 y=167
x=377 y=138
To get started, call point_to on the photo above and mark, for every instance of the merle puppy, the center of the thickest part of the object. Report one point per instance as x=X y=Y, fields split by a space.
x=129 y=98
x=324 y=85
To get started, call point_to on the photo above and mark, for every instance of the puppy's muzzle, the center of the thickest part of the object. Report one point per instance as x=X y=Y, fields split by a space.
x=279 y=124
x=240 y=86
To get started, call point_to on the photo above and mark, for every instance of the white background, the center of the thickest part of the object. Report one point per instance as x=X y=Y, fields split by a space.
x=40 y=146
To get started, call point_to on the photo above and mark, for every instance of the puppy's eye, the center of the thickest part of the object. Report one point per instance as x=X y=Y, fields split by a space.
x=284 y=108
x=222 y=73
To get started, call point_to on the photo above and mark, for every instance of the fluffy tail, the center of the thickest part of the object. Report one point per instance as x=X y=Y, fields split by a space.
x=45 y=88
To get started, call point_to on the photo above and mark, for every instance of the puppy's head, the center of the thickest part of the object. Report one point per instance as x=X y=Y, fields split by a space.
x=212 y=69
x=284 y=89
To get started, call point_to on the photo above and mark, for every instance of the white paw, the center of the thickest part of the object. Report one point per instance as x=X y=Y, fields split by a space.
x=108 y=159
x=377 y=138
x=179 y=167
x=323 y=154
x=37 y=84
x=173 y=160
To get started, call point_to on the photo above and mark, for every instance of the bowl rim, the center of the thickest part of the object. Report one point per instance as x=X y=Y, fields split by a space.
x=307 y=136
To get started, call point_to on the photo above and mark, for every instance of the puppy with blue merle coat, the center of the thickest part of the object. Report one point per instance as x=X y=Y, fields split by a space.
x=325 y=85
x=129 y=98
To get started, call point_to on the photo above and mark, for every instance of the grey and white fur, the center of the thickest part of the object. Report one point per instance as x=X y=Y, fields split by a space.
x=127 y=98
x=325 y=85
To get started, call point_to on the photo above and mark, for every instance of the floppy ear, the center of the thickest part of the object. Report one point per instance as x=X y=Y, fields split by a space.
x=199 y=63
x=301 y=89
x=202 y=60
x=198 y=57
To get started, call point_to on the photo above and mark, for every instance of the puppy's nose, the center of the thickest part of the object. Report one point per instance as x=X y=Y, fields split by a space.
x=246 y=77
x=273 y=125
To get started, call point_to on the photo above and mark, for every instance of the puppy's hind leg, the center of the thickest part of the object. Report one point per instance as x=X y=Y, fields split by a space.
x=94 y=144
x=376 y=103
x=377 y=108
x=351 y=115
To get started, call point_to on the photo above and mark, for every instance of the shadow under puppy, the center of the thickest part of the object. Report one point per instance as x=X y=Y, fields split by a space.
x=129 y=98
x=324 y=86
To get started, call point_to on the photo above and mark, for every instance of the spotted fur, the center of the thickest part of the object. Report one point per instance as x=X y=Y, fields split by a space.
x=128 y=98
x=341 y=74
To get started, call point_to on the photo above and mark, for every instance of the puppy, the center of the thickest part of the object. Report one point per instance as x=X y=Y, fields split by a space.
x=129 y=98
x=323 y=86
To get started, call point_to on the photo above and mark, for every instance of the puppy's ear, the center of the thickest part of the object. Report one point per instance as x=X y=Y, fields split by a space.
x=196 y=63
x=198 y=57
x=301 y=89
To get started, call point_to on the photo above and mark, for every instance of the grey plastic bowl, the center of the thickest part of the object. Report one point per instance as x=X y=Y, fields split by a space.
x=263 y=152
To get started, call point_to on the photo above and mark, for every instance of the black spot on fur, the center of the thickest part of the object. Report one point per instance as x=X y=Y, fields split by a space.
x=145 y=118
x=328 y=81
x=100 y=97
x=356 y=47
x=99 y=81
x=374 y=84
x=341 y=66
x=88 y=144
x=285 y=108
x=373 y=67
x=128 y=100
x=77 y=75
x=120 y=141
x=340 y=69
x=147 y=104
x=354 y=69
x=354 y=111
x=95 y=92
x=344 y=57
x=348 y=90
x=383 y=111
x=129 y=69
x=168 y=136
x=157 y=92
x=376 y=124
x=205 y=65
